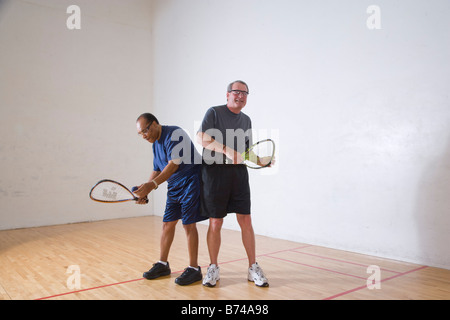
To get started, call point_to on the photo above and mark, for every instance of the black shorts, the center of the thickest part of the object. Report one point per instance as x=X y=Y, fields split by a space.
x=225 y=189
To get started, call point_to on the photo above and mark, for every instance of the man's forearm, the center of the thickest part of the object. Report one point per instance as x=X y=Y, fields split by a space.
x=207 y=142
x=162 y=176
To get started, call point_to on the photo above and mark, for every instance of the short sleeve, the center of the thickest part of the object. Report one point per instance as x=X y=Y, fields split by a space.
x=208 y=121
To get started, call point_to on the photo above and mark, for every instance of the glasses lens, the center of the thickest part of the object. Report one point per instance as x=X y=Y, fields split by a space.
x=238 y=92
x=146 y=130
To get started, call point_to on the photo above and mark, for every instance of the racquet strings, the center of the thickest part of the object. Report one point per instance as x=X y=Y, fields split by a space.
x=109 y=191
x=262 y=151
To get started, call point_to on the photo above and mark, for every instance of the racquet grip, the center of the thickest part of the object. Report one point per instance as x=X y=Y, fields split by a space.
x=136 y=199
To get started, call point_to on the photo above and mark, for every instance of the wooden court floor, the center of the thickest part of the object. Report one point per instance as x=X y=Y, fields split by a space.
x=105 y=260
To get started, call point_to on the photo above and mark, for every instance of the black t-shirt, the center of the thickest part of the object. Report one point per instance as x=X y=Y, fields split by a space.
x=228 y=128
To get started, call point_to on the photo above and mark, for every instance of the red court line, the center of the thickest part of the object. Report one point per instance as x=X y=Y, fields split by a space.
x=88 y=289
x=99 y=287
x=262 y=255
x=339 y=260
x=293 y=250
x=365 y=286
x=128 y=281
x=320 y=268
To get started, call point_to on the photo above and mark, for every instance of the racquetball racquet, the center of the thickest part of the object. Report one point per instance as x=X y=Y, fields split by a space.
x=110 y=191
x=260 y=155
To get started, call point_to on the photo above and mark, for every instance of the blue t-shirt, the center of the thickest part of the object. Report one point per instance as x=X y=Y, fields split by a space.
x=175 y=144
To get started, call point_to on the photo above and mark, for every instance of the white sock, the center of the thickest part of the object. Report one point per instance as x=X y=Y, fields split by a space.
x=196 y=269
x=162 y=262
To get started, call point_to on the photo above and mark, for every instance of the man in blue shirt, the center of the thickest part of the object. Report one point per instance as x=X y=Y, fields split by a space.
x=176 y=161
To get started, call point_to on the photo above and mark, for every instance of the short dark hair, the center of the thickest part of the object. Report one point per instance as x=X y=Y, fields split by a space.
x=149 y=117
x=230 y=86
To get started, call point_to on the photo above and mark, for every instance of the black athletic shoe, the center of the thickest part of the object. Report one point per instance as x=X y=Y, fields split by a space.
x=158 y=270
x=189 y=276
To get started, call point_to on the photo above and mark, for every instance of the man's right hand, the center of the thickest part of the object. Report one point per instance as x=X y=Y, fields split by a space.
x=142 y=192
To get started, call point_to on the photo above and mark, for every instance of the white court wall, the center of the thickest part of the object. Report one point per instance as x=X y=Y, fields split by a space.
x=68 y=101
x=361 y=116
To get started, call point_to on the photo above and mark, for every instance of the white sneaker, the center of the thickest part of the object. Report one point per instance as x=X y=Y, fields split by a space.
x=256 y=275
x=212 y=276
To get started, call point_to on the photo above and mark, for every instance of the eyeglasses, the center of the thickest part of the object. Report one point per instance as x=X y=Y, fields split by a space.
x=146 y=130
x=239 y=92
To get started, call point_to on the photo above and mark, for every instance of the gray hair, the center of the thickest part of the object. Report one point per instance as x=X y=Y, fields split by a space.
x=230 y=86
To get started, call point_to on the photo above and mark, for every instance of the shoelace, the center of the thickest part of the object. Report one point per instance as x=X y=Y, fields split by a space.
x=259 y=272
x=210 y=272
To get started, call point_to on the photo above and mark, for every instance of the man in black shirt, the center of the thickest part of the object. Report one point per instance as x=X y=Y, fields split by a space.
x=224 y=134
